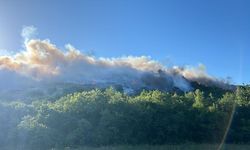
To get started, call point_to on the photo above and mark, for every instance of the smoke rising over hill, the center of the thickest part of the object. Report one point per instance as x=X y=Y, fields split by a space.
x=42 y=61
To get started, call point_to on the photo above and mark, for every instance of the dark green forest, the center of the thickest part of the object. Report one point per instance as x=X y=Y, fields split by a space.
x=102 y=117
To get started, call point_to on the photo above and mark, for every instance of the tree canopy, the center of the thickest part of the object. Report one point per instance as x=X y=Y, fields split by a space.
x=109 y=117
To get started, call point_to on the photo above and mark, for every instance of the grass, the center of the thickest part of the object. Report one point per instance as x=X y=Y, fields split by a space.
x=150 y=147
x=169 y=147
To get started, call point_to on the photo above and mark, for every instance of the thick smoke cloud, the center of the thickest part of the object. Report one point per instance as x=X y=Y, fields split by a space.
x=43 y=61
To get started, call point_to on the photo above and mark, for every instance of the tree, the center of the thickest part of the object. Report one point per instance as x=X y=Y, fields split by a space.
x=198 y=99
x=243 y=95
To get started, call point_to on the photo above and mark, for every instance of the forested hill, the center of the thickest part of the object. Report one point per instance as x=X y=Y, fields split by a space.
x=52 y=91
x=110 y=117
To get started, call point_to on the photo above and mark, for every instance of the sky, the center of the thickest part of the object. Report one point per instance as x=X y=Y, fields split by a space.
x=215 y=33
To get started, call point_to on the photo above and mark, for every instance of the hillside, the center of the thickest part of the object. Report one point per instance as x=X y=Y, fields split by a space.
x=27 y=90
x=103 y=117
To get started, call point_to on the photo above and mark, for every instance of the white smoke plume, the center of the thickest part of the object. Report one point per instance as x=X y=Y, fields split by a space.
x=43 y=61
x=28 y=33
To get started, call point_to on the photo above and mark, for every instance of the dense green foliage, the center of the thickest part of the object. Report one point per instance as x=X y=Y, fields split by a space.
x=109 y=117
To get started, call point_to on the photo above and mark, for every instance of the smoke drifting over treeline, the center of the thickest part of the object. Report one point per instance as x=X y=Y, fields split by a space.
x=41 y=61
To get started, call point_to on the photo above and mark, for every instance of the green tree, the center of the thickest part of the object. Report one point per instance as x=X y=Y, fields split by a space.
x=198 y=99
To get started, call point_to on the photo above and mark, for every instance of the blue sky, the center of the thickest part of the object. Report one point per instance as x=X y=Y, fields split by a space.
x=215 y=33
